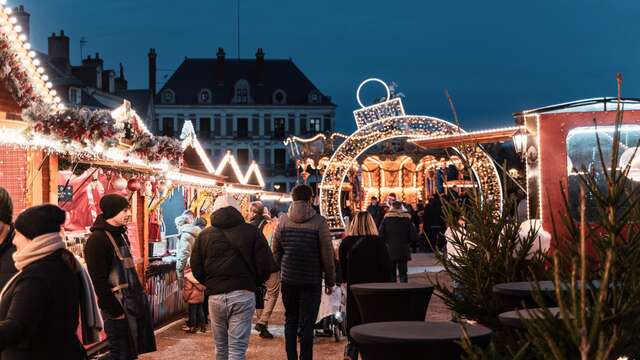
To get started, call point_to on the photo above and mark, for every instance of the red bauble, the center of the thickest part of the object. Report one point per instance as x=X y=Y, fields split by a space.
x=134 y=185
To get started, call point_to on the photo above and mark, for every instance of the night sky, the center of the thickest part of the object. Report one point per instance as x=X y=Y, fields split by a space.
x=494 y=57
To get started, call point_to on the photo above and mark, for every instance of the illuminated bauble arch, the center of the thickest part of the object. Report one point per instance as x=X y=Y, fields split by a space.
x=386 y=121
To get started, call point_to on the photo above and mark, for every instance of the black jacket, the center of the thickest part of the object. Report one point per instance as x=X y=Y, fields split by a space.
x=376 y=212
x=7 y=268
x=397 y=231
x=230 y=254
x=367 y=262
x=99 y=255
x=39 y=313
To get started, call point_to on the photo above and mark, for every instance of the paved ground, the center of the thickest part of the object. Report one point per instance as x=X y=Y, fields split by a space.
x=173 y=343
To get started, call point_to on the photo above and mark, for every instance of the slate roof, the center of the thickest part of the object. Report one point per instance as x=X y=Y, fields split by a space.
x=195 y=74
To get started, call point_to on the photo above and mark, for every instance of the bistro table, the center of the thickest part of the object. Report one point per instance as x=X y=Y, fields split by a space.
x=514 y=294
x=400 y=340
x=392 y=301
x=515 y=319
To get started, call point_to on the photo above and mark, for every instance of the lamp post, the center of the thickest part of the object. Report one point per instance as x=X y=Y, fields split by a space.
x=520 y=141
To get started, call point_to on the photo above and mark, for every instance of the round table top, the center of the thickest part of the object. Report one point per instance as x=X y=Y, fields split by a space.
x=415 y=332
x=514 y=318
x=523 y=288
x=389 y=286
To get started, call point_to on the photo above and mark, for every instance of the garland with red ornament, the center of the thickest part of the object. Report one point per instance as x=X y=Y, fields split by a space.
x=13 y=75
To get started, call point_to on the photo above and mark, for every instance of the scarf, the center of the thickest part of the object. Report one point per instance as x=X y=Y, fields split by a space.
x=45 y=245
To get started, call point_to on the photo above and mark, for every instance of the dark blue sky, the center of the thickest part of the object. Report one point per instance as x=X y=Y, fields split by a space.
x=495 y=57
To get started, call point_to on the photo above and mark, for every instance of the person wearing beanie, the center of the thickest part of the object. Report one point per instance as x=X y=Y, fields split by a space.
x=107 y=252
x=231 y=258
x=302 y=247
x=7 y=269
x=39 y=306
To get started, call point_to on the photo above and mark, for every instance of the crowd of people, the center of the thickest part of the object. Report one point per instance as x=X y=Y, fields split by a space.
x=229 y=270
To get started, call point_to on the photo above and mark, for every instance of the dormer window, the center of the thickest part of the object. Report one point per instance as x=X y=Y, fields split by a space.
x=205 y=96
x=168 y=96
x=75 y=96
x=314 y=97
x=279 y=97
x=241 y=92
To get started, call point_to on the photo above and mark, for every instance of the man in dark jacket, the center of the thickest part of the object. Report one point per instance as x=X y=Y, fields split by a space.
x=376 y=211
x=111 y=267
x=7 y=268
x=230 y=258
x=397 y=231
x=302 y=246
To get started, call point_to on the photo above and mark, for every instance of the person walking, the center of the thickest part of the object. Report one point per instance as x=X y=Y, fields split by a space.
x=363 y=259
x=121 y=297
x=231 y=258
x=261 y=218
x=303 y=249
x=7 y=232
x=397 y=231
x=433 y=222
x=376 y=211
x=39 y=305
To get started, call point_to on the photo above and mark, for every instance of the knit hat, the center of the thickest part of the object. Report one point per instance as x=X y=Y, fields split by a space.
x=40 y=220
x=224 y=201
x=112 y=204
x=6 y=206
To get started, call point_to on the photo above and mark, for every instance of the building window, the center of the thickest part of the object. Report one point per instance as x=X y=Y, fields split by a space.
x=75 y=96
x=314 y=124
x=217 y=155
x=243 y=128
x=314 y=97
x=167 y=127
x=229 y=129
x=255 y=124
x=279 y=130
x=327 y=123
x=267 y=125
x=280 y=158
x=243 y=156
x=205 y=96
x=241 y=92
x=208 y=152
x=279 y=97
x=216 y=126
x=256 y=155
x=168 y=96
x=303 y=125
x=205 y=128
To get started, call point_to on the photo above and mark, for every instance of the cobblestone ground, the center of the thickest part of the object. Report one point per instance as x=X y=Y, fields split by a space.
x=173 y=343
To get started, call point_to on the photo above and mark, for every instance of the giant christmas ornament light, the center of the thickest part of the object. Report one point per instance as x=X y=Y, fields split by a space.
x=385 y=121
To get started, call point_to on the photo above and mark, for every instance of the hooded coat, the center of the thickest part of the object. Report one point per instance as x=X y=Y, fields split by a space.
x=188 y=235
x=397 y=231
x=302 y=247
x=230 y=254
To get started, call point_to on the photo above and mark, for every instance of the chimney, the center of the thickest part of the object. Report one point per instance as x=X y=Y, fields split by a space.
x=97 y=64
x=220 y=68
x=59 y=52
x=152 y=70
x=121 y=82
x=108 y=81
x=259 y=66
x=23 y=19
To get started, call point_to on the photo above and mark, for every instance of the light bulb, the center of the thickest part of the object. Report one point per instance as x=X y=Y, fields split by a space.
x=53 y=92
x=3 y=2
x=17 y=28
x=56 y=99
x=13 y=20
x=36 y=62
x=61 y=106
x=41 y=70
x=27 y=46
x=45 y=77
x=8 y=10
x=49 y=84
x=32 y=53
x=22 y=37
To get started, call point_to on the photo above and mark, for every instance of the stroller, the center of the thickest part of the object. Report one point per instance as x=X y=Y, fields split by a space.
x=331 y=316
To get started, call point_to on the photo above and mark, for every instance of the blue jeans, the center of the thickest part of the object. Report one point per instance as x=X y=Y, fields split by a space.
x=117 y=339
x=301 y=305
x=231 y=315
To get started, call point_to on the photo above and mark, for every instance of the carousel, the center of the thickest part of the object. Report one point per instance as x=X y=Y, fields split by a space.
x=382 y=157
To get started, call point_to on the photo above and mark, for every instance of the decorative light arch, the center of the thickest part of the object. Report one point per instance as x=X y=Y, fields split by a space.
x=386 y=121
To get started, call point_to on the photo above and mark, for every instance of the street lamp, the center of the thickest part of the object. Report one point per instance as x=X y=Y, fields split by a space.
x=520 y=141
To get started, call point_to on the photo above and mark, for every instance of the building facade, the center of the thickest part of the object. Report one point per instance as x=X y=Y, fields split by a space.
x=246 y=106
